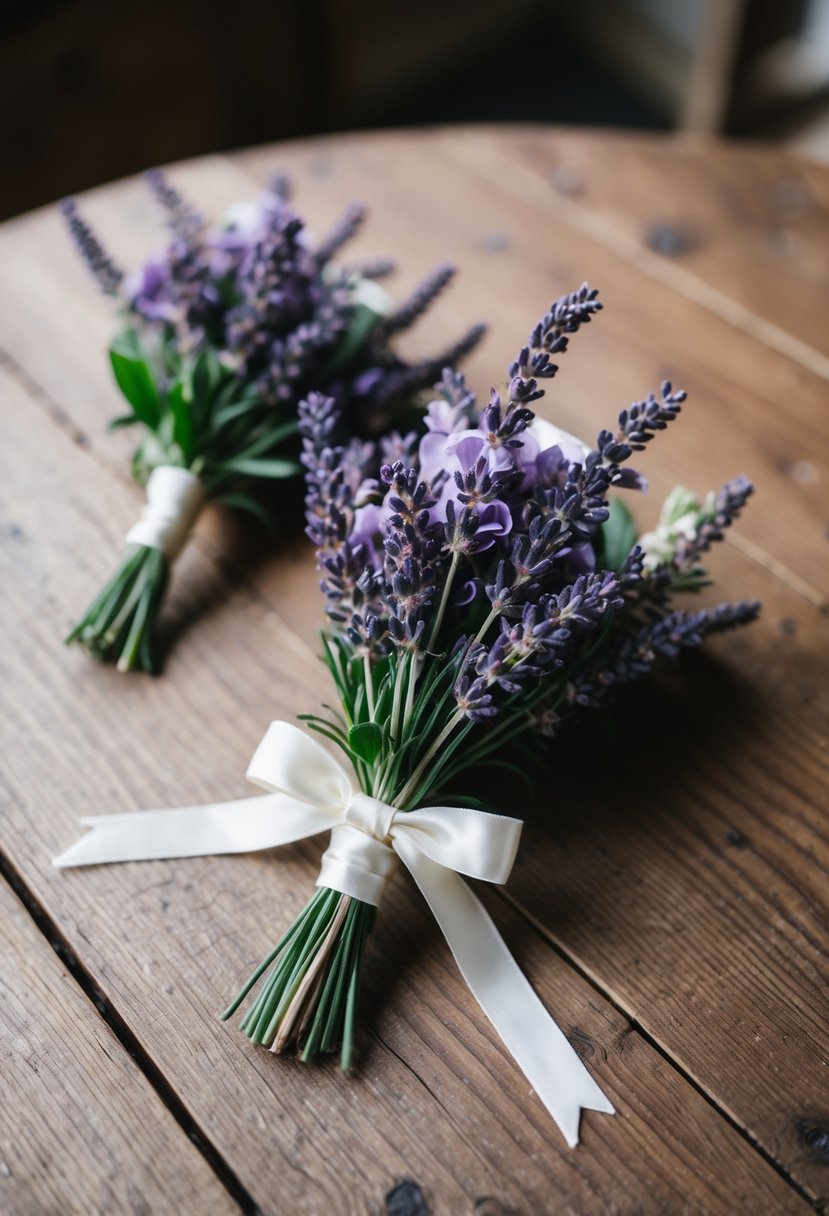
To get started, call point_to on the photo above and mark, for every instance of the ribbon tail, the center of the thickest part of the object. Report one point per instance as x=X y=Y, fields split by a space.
x=244 y=826
x=538 y=1045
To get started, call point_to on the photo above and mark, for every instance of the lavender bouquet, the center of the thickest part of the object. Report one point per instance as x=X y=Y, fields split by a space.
x=482 y=586
x=221 y=337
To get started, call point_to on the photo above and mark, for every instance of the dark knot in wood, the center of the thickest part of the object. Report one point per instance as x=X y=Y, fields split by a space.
x=815 y=1135
x=406 y=1199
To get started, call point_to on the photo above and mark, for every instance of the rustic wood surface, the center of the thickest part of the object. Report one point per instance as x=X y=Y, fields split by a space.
x=82 y=1130
x=670 y=900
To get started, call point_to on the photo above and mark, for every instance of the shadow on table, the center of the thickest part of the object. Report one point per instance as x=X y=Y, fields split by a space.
x=610 y=781
x=241 y=547
x=645 y=768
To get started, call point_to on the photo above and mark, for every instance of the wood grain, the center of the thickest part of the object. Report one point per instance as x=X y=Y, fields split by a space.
x=767 y=413
x=762 y=761
x=708 y=917
x=80 y=1129
x=681 y=929
x=740 y=228
x=436 y=1098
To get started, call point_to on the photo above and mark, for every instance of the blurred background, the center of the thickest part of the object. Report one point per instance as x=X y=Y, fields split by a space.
x=92 y=90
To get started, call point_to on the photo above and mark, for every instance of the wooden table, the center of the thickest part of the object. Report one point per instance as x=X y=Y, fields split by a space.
x=670 y=899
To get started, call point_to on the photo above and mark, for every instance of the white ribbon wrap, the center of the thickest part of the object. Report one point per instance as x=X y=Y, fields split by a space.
x=174 y=498
x=310 y=792
x=375 y=297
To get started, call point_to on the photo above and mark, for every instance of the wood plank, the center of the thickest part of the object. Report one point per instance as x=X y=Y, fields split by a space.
x=436 y=1098
x=741 y=227
x=702 y=897
x=730 y=887
x=793 y=638
x=737 y=385
x=81 y=1131
x=750 y=410
x=426 y=230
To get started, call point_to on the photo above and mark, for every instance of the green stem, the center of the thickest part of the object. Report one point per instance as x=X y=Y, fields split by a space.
x=444 y=600
x=482 y=632
x=119 y=626
x=280 y=946
x=413 y=782
x=415 y=667
x=394 y=725
x=366 y=920
x=369 y=682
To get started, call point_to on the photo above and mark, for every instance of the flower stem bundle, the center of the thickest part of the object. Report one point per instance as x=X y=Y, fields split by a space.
x=310 y=997
x=118 y=623
x=483 y=582
x=223 y=334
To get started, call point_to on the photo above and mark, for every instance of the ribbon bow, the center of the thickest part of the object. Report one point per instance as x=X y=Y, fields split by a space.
x=310 y=792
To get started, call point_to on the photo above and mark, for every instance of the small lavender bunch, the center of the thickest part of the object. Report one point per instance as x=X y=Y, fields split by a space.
x=482 y=583
x=223 y=334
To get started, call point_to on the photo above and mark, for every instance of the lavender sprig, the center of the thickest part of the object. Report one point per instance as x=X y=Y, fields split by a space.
x=630 y=658
x=345 y=229
x=638 y=424
x=405 y=315
x=551 y=335
x=715 y=519
x=101 y=266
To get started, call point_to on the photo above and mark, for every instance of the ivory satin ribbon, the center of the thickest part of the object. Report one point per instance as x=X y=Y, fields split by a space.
x=174 y=498
x=310 y=792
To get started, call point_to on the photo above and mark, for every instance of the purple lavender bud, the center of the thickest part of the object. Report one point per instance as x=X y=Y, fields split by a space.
x=184 y=220
x=473 y=699
x=342 y=232
x=638 y=425
x=424 y=294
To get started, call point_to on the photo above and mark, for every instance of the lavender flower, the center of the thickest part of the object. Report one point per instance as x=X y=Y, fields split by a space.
x=405 y=315
x=719 y=515
x=343 y=231
x=632 y=656
x=101 y=266
x=478 y=548
x=637 y=425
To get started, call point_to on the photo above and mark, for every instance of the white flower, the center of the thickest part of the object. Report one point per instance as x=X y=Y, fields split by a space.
x=680 y=520
x=547 y=436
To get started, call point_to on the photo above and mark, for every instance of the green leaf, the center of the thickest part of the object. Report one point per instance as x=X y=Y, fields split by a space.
x=619 y=534
x=134 y=377
x=124 y=420
x=246 y=502
x=180 y=408
x=206 y=375
x=270 y=439
x=235 y=409
x=263 y=468
x=363 y=321
x=366 y=740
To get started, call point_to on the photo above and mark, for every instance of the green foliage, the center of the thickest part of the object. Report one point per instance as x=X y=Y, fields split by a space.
x=362 y=323
x=135 y=377
x=366 y=741
x=275 y=467
x=198 y=415
x=619 y=534
x=116 y=626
